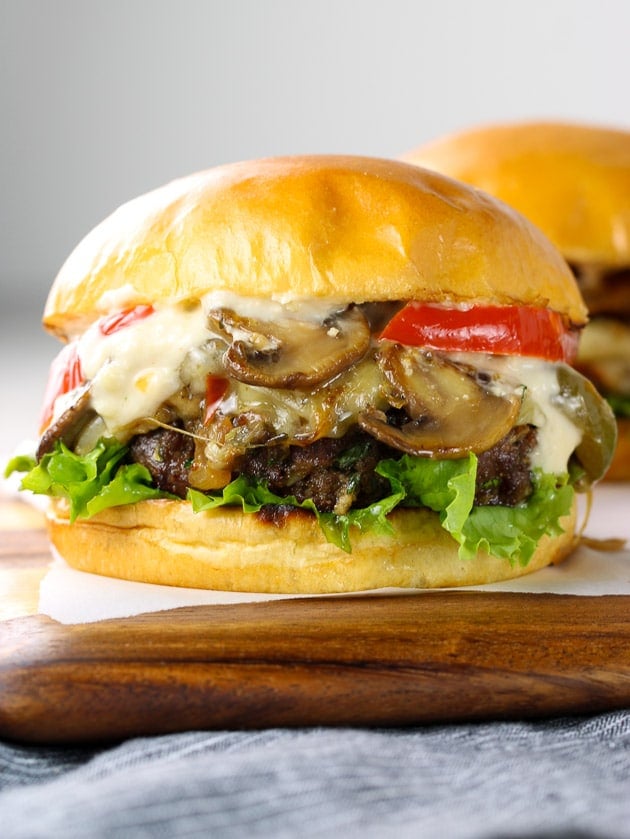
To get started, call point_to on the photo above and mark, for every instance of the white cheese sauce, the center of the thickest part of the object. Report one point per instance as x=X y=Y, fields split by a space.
x=557 y=435
x=135 y=369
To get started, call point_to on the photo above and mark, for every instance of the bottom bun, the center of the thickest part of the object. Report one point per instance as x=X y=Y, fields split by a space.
x=619 y=469
x=165 y=542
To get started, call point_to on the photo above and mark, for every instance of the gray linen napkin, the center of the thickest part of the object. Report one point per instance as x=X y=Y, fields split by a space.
x=560 y=778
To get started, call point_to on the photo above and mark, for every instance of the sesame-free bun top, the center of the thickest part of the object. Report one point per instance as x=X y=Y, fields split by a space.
x=572 y=180
x=350 y=229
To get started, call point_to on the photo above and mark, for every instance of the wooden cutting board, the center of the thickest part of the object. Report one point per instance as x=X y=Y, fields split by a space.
x=434 y=657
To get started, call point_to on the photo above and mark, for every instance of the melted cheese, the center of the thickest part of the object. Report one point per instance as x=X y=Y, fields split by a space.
x=557 y=436
x=134 y=370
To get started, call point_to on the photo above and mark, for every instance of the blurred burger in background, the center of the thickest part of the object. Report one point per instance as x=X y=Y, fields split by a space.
x=573 y=181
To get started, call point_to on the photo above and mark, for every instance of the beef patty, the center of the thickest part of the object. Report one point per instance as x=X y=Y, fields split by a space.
x=336 y=473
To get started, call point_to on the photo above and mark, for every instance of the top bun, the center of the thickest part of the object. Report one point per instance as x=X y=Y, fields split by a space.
x=350 y=229
x=571 y=180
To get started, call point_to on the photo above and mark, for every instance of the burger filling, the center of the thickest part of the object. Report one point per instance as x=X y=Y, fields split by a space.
x=605 y=346
x=321 y=409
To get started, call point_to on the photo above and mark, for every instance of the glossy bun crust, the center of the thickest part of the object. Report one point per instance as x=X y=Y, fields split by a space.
x=166 y=542
x=571 y=180
x=350 y=229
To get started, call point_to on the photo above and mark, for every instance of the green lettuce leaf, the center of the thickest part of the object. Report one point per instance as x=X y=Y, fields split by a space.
x=252 y=496
x=91 y=482
x=100 y=479
x=448 y=487
x=20 y=463
x=445 y=486
x=514 y=532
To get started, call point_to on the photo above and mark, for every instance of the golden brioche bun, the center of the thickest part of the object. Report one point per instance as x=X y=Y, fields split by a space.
x=165 y=542
x=349 y=229
x=571 y=180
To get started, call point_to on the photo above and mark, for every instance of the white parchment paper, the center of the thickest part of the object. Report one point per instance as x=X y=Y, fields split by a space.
x=71 y=597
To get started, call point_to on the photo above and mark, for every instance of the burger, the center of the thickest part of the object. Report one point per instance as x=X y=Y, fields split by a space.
x=573 y=182
x=316 y=374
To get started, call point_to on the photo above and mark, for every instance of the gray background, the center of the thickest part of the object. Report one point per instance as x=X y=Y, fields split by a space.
x=101 y=100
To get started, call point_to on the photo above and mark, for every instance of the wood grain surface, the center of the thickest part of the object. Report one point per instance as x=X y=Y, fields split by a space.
x=374 y=660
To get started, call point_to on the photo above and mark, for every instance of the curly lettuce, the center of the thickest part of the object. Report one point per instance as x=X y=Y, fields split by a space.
x=101 y=479
x=91 y=482
x=448 y=488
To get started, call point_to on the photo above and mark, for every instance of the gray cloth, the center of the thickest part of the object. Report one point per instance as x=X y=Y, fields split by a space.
x=560 y=778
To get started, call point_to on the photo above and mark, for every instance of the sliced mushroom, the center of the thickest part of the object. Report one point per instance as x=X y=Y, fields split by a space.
x=447 y=410
x=70 y=425
x=291 y=353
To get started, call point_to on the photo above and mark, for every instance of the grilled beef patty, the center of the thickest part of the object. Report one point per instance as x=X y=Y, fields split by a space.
x=336 y=473
x=503 y=472
x=167 y=454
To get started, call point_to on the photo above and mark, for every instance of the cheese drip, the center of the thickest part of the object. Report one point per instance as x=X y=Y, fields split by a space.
x=134 y=370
